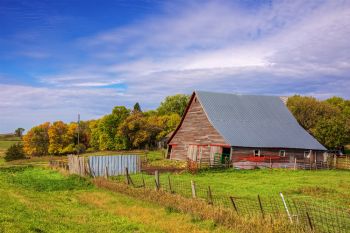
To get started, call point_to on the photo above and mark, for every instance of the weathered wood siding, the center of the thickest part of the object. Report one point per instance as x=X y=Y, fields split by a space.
x=194 y=130
x=244 y=157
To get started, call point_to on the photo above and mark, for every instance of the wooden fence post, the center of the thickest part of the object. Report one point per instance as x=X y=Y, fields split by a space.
x=170 y=187
x=210 y=196
x=106 y=172
x=193 y=188
x=295 y=163
x=143 y=182
x=127 y=175
x=156 y=178
x=261 y=207
x=234 y=204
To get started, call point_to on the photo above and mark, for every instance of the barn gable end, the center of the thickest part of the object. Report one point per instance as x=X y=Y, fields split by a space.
x=195 y=132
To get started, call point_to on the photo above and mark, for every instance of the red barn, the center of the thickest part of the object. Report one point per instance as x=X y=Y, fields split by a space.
x=243 y=130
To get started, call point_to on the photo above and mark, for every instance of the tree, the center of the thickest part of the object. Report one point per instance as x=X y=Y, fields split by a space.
x=173 y=104
x=19 y=132
x=137 y=108
x=36 y=141
x=108 y=127
x=333 y=132
x=94 y=139
x=58 y=137
x=309 y=111
x=15 y=152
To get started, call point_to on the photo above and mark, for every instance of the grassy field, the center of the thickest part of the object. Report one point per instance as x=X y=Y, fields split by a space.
x=332 y=185
x=42 y=200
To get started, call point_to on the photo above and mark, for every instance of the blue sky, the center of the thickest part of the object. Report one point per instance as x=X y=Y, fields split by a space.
x=58 y=58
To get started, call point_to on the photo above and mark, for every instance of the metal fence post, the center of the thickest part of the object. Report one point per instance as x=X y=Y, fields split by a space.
x=234 y=204
x=261 y=207
x=286 y=208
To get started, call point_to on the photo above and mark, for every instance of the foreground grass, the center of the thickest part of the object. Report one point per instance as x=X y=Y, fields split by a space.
x=41 y=200
x=332 y=185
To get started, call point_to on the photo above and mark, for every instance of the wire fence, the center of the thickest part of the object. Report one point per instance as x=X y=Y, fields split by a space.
x=304 y=212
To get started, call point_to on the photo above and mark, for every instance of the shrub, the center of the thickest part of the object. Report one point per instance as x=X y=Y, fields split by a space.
x=15 y=152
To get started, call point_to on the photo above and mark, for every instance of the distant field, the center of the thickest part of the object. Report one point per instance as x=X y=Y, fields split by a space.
x=42 y=200
x=330 y=185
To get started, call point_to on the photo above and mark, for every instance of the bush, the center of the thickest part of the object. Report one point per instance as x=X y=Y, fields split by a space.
x=15 y=152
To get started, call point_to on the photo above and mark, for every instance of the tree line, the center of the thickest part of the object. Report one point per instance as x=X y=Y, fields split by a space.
x=123 y=129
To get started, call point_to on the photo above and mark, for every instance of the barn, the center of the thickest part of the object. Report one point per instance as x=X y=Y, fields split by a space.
x=241 y=130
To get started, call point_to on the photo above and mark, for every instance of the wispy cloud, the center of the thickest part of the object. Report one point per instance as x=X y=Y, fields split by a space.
x=278 y=48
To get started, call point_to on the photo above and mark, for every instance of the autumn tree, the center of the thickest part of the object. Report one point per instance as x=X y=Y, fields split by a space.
x=58 y=137
x=36 y=141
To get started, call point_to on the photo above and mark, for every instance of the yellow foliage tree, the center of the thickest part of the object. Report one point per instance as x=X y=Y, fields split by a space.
x=58 y=137
x=36 y=141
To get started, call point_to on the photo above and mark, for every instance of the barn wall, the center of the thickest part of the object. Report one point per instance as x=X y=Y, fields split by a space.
x=194 y=130
x=240 y=154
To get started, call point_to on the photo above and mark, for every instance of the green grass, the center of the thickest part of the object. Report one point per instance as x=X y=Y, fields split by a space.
x=330 y=185
x=35 y=199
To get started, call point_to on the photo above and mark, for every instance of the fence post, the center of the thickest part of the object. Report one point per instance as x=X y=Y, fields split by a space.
x=286 y=207
x=309 y=221
x=156 y=178
x=335 y=161
x=210 y=196
x=170 y=187
x=234 y=204
x=193 y=188
x=295 y=163
x=127 y=175
x=143 y=182
x=261 y=207
x=106 y=172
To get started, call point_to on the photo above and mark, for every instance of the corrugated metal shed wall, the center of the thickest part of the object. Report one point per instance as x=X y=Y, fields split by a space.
x=115 y=164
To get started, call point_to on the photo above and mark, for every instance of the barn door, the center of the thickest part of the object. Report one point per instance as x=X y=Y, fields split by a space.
x=215 y=152
x=192 y=152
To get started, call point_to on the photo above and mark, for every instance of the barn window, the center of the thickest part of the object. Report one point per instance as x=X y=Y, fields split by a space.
x=282 y=153
x=257 y=153
x=306 y=154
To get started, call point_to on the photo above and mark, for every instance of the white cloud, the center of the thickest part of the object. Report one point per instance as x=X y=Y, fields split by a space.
x=281 y=48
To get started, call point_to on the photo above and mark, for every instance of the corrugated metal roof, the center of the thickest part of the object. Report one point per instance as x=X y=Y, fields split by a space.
x=255 y=121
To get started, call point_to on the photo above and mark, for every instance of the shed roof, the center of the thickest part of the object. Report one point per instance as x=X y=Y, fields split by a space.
x=255 y=121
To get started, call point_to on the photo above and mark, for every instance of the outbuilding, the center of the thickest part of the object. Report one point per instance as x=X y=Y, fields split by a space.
x=242 y=130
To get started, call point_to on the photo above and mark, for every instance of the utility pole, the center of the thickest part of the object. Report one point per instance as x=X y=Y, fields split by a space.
x=78 y=133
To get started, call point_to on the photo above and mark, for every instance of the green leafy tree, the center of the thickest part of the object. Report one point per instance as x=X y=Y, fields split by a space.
x=19 y=132
x=137 y=108
x=15 y=152
x=173 y=104
x=309 y=111
x=108 y=127
x=333 y=132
